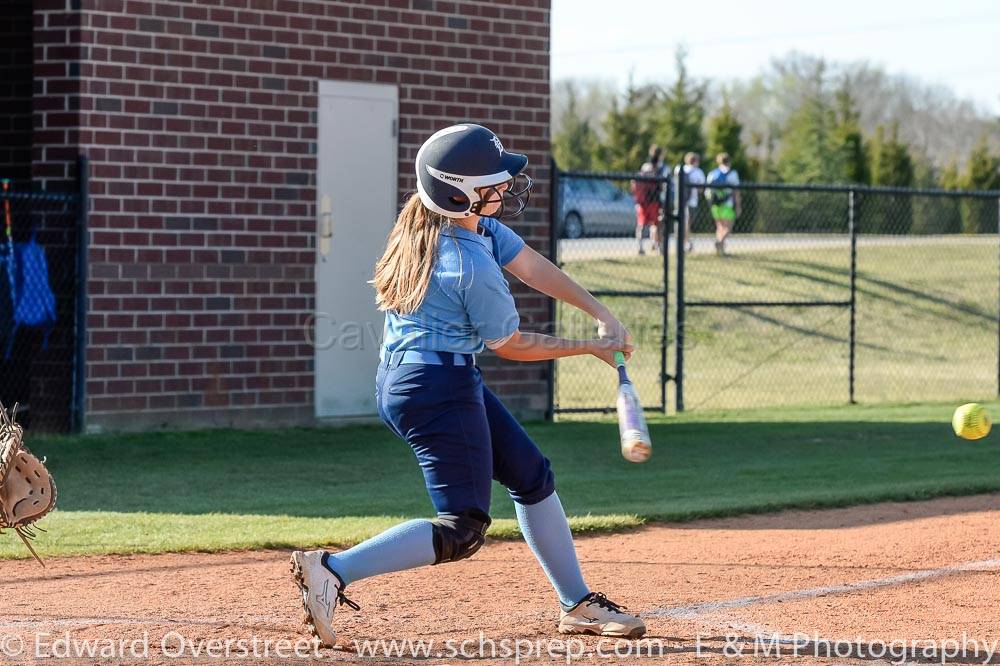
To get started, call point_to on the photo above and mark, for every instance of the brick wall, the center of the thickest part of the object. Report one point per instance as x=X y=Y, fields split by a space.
x=15 y=90
x=199 y=120
x=58 y=50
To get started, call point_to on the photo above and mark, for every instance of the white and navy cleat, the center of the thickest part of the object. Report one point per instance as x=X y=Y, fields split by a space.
x=598 y=615
x=322 y=591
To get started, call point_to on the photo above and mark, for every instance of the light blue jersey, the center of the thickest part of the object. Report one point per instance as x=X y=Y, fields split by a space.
x=468 y=301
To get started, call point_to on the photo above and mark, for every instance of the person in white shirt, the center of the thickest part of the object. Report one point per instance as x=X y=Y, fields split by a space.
x=695 y=177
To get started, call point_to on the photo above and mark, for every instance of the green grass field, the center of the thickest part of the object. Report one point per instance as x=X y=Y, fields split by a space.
x=218 y=490
x=926 y=325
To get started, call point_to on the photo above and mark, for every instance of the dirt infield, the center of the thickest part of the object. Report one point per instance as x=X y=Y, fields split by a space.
x=857 y=581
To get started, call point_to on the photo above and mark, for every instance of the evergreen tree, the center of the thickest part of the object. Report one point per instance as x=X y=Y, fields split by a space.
x=950 y=178
x=575 y=145
x=924 y=174
x=849 y=141
x=724 y=131
x=892 y=166
x=982 y=172
x=808 y=153
x=677 y=120
x=934 y=214
x=627 y=135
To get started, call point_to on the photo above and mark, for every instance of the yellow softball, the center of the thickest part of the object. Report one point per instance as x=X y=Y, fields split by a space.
x=971 y=421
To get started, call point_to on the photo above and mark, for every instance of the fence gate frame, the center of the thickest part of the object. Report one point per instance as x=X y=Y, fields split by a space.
x=668 y=217
x=673 y=212
x=852 y=192
x=681 y=187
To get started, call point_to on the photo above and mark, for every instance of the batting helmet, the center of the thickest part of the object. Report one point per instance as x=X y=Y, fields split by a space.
x=460 y=167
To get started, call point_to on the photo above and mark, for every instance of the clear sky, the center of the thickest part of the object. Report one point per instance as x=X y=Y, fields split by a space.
x=954 y=43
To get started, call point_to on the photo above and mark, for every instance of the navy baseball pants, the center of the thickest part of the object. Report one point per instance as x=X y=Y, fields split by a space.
x=460 y=432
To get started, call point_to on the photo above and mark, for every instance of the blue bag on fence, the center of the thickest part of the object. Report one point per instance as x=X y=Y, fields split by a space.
x=6 y=298
x=34 y=302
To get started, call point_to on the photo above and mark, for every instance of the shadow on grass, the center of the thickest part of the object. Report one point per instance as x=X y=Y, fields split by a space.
x=760 y=316
x=783 y=267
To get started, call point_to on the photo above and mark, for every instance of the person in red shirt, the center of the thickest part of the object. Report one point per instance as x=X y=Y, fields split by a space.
x=647 y=202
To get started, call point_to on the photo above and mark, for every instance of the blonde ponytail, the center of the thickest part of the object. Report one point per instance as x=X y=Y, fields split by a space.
x=403 y=273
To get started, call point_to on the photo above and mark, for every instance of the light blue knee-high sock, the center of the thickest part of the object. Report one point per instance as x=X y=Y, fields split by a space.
x=546 y=530
x=405 y=546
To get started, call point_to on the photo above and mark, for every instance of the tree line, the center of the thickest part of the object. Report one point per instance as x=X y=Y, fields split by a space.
x=819 y=137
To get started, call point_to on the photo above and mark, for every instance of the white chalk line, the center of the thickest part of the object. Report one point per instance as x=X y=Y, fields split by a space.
x=695 y=611
x=142 y=622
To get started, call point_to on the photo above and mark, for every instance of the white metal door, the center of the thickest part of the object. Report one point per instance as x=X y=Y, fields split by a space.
x=356 y=191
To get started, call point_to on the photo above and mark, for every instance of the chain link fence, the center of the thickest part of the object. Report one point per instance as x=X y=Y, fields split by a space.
x=40 y=306
x=820 y=295
x=597 y=243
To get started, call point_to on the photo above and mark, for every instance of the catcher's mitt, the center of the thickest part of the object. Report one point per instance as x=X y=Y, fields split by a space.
x=27 y=491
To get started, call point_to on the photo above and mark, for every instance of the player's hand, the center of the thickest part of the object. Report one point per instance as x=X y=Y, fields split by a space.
x=605 y=349
x=609 y=328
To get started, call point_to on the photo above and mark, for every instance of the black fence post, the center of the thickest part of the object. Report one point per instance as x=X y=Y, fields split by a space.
x=852 y=228
x=554 y=258
x=668 y=219
x=80 y=333
x=998 y=298
x=680 y=202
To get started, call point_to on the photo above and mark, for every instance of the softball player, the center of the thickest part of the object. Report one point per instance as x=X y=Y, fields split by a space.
x=445 y=298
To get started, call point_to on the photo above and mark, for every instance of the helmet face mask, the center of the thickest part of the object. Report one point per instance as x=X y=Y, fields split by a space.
x=512 y=200
x=461 y=168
